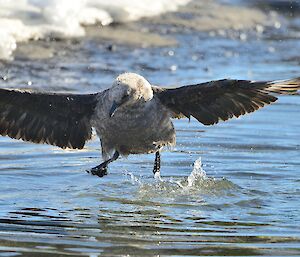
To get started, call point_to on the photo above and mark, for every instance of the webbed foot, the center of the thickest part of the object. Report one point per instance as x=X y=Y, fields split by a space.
x=100 y=170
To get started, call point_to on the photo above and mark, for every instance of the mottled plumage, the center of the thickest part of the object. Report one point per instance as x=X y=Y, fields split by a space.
x=131 y=117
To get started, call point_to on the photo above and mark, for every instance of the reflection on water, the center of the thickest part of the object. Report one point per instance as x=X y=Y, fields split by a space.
x=243 y=199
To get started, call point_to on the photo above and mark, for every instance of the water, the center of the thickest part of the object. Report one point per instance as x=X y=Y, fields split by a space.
x=230 y=189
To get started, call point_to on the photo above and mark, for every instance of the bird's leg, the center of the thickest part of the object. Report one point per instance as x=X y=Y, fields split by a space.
x=101 y=170
x=156 y=163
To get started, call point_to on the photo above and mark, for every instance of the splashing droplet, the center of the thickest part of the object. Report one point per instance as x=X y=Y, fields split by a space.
x=197 y=173
x=157 y=177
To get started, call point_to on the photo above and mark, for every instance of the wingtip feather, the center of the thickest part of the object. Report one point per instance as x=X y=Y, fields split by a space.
x=289 y=86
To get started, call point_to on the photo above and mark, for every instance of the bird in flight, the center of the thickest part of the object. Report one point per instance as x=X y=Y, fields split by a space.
x=131 y=117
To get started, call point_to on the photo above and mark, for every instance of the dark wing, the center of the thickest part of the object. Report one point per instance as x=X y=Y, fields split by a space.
x=57 y=119
x=223 y=99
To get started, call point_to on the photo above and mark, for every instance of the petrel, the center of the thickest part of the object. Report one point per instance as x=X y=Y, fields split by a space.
x=132 y=116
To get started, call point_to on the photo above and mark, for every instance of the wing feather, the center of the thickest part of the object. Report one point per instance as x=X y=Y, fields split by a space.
x=224 y=99
x=62 y=120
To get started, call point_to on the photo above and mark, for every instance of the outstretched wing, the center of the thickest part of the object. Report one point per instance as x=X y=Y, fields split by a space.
x=223 y=99
x=57 y=119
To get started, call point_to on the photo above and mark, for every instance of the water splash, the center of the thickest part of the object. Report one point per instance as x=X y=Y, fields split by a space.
x=132 y=178
x=197 y=173
x=197 y=183
x=157 y=177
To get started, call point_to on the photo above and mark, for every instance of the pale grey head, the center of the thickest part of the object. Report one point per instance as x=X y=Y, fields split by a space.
x=129 y=89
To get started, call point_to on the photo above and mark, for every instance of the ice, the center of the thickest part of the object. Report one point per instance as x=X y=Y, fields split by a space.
x=34 y=19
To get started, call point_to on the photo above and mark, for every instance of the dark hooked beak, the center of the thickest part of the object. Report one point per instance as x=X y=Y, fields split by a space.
x=116 y=105
x=113 y=109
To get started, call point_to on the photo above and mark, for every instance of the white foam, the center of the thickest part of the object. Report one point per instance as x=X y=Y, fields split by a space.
x=26 y=20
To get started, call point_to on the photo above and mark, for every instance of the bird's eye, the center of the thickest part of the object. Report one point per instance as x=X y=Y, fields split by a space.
x=124 y=97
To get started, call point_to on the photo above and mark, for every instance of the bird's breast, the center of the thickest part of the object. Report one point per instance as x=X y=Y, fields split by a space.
x=140 y=128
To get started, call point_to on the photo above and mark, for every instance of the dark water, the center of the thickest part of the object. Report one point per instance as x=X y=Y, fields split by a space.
x=244 y=201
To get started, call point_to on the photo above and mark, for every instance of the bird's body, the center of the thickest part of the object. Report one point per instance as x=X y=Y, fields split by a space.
x=131 y=117
x=143 y=127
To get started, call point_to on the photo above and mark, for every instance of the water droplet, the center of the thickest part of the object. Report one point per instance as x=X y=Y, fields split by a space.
x=277 y=25
x=243 y=36
x=171 y=53
x=173 y=68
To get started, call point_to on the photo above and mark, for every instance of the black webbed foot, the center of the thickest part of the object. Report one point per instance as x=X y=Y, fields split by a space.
x=100 y=170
